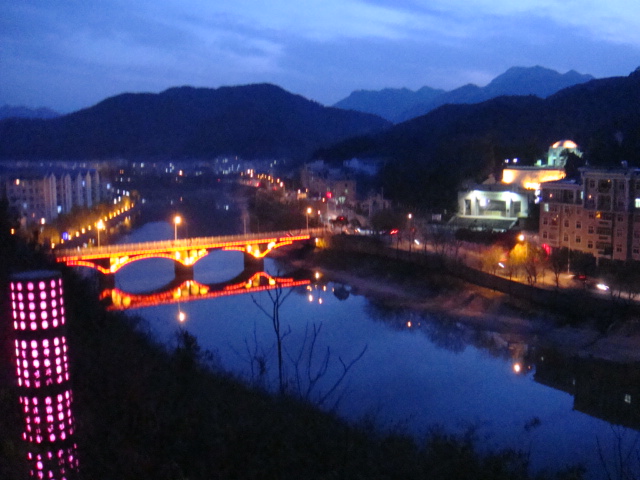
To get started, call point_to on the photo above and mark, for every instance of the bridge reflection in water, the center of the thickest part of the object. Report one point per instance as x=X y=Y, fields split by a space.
x=180 y=290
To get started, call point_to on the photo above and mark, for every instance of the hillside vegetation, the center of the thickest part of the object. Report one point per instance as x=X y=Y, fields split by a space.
x=251 y=121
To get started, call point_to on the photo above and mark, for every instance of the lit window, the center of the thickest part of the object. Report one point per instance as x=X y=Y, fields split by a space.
x=627 y=398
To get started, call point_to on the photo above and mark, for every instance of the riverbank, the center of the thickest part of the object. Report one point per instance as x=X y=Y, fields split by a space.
x=400 y=285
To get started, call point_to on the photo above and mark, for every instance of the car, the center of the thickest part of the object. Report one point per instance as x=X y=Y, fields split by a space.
x=590 y=283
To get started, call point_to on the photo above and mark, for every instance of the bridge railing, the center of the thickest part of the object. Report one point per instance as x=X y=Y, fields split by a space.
x=184 y=243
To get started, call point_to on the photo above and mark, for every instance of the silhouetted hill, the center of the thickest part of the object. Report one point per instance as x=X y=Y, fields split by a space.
x=252 y=121
x=10 y=111
x=406 y=104
x=429 y=155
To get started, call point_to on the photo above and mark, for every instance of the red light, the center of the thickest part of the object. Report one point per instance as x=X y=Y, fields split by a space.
x=329 y=195
x=393 y=232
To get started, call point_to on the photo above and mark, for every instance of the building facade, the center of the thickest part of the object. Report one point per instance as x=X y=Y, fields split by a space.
x=34 y=196
x=598 y=214
x=500 y=204
x=39 y=195
x=331 y=183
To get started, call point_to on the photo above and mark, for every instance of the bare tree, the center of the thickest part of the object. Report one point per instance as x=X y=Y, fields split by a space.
x=308 y=367
x=624 y=461
x=277 y=297
x=492 y=258
x=308 y=374
x=556 y=263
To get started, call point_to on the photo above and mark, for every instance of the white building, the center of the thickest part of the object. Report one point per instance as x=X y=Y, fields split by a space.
x=81 y=184
x=34 y=196
x=64 y=192
x=499 y=205
x=41 y=194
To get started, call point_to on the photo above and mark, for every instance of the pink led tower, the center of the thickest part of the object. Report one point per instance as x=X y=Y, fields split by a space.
x=42 y=368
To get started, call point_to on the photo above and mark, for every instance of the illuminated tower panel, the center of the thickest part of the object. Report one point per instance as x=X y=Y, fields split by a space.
x=42 y=369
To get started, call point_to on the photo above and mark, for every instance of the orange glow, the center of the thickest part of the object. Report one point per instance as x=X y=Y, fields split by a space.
x=530 y=179
x=186 y=251
x=508 y=176
x=256 y=252
x=565 y=144
x=191 y=290
x=82 y=263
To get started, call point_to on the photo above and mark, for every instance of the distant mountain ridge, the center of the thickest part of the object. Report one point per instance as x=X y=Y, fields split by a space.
x=252 y=121
x=11 y=111
x=389 y=103
x=398 y=105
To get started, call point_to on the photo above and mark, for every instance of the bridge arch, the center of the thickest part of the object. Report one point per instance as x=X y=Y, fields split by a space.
x=185 y=253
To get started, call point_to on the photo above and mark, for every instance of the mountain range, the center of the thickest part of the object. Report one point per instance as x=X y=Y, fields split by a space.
x=398 y=105
x=252 y=121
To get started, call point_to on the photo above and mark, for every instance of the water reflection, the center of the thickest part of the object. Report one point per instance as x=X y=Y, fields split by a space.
x=180 y=290
x=602 y=389
x=42 y=370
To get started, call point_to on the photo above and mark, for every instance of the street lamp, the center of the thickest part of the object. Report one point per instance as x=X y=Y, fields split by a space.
x=99 y=226
x=177 y=220
x=308 y=213
x=522 y=239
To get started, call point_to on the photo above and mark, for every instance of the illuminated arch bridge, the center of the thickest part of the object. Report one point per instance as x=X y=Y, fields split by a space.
x=184 y=252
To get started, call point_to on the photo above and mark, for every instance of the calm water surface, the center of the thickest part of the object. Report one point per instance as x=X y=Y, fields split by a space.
x=416 y=371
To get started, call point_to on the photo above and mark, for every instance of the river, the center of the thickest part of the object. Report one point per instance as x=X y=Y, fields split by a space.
x=416 y=371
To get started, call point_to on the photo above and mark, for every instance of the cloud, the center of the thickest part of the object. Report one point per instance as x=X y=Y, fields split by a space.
x=71 y=54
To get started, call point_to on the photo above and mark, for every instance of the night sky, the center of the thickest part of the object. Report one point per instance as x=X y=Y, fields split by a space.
x=69 y=54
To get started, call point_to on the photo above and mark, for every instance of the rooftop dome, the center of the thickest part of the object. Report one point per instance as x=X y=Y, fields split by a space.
x=564 y=144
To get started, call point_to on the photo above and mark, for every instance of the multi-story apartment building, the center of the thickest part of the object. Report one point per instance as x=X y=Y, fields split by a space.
x=34 y=195
x=81 y=185
x=598 y=214
x=40 y=194
x=64 y=192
